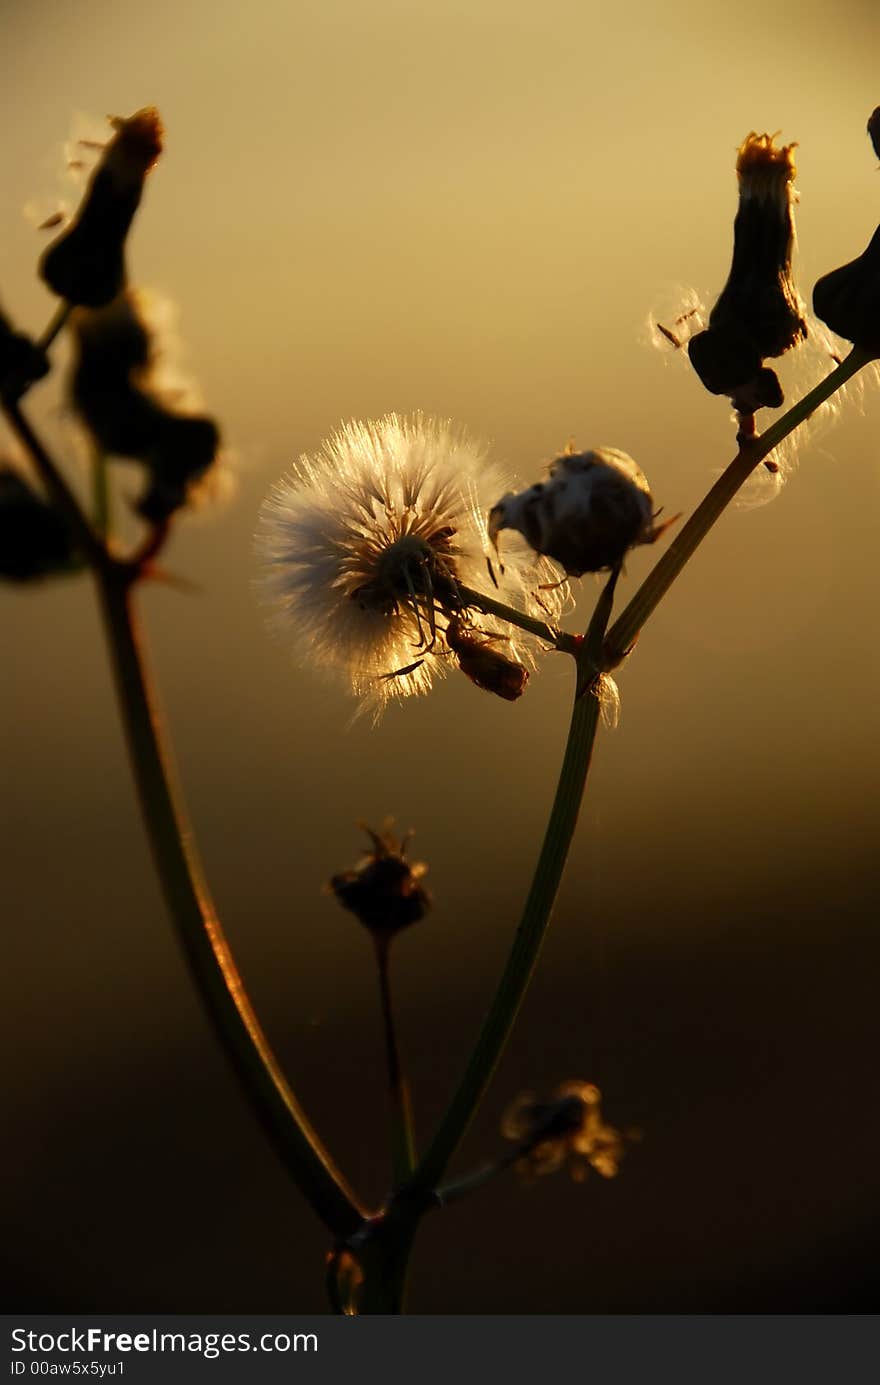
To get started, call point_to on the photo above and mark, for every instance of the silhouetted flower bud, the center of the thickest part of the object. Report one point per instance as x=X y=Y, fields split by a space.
x=20 y=360
x=384 y=889
x=848 y=299
x=593 y=508
x=486 y=667
x=759 y=313
x=86 y=263
x=35 y=539
x=113 y=393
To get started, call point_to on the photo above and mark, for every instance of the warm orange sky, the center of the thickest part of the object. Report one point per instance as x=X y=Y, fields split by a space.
x=467 y=208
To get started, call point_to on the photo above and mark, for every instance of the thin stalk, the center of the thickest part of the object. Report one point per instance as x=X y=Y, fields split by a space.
x=490 y=607
x=206 y=950
x=54 y=326
x=526 y=947
x=625 y=629
x=403 y=1152
x=477 y=1178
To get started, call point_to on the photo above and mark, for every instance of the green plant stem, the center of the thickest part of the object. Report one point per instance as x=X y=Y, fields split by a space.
x=403 y=1153
x=210 y=961
x=626 y=628
x=558 y=639
x=526 y=947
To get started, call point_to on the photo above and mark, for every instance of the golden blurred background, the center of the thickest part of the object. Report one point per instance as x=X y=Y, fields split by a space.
x=468 y=209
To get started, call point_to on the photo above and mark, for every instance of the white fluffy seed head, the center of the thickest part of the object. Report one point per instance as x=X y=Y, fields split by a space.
x=381 y=503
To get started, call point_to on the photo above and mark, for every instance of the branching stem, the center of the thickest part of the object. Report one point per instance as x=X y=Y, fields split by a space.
x=753 y=451
x=402 y=1127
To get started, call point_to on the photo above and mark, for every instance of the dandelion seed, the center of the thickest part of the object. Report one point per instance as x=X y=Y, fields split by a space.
x=366 y=546
x=608 y=694
x=676 y=317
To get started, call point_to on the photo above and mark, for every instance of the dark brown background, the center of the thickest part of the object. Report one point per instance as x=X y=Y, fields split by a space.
x=469 y=209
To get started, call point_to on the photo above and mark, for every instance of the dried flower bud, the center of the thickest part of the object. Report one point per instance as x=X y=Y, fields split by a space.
x=568 y=1129
x=848 y=299
x=35 y=540
x=486 y=667
x=593 y=507
x=114 y=394
x=384 y=889
x=86 y=263
x=759 y=313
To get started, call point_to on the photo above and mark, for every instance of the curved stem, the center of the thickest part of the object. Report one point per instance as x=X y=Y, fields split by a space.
x=625 y=629
x=207 y=952
x=402 y=1130
x=526 y=947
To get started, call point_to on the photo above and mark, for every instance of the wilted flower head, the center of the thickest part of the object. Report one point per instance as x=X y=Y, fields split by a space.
x=86 y=263
x=366 y=548
x=593 y=507
x=567 y=1129
x=118 y=392
x=384 y=889
x=759 y=313
x=35 y=539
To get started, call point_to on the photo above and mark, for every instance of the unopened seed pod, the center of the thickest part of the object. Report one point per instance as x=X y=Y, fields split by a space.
x=848 y=299
x=593 y=507
x=759 y=313
x=86 y=263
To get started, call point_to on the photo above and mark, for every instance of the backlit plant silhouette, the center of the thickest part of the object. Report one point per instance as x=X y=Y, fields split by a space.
x=398 y=554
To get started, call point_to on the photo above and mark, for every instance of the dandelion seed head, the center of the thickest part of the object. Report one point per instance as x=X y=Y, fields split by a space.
x=363 y=542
